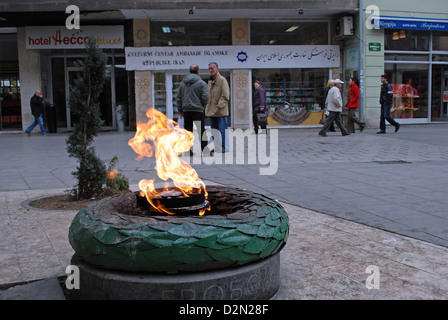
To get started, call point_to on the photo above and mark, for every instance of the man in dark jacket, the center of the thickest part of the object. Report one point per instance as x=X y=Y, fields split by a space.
x=386 y=100
x=259 y=105
x=37 y=109
x=191 y=99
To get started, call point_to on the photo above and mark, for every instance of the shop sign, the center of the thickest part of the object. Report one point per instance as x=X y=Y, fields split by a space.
x=411 y=23
x=233 y=57
x=374 y=46
x=52 y=37
x=445 y=96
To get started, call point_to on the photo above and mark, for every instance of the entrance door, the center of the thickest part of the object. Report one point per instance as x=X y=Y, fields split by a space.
x=439 y=110
x=105 y=99
x=166 y=85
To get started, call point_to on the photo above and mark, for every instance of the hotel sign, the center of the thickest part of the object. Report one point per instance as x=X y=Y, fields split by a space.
x=49 y=37
x=233 y=57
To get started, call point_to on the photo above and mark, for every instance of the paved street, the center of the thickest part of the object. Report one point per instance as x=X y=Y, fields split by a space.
x=379 y=199
x=396 y=182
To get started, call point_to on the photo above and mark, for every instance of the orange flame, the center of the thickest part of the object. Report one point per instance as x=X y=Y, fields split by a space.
x=164 y=138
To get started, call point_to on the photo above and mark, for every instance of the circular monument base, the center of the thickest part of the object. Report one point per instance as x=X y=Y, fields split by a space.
x=259 y=280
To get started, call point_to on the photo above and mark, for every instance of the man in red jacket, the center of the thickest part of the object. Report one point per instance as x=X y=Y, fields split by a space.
x=353 y=105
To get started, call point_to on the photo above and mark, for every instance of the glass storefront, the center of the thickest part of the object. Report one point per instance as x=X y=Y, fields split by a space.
x=10 y=104
x=115 y=91
x=289 y=33
x=292 y=94
x=410 y=84
x=416 y=62
x=185 y=33
x=178 y=34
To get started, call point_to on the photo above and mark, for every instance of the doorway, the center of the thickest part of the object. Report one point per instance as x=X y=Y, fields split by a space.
x=166 y=85
x=104 y=101
x=439 y=111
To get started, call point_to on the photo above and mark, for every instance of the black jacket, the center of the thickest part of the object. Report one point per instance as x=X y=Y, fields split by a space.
x=36 y=106
x=387 y=94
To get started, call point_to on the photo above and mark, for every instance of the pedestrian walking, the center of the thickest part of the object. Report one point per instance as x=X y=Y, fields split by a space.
x=330 y=84
x=353 y=105
x=259 y=106
x=386 y=100
x=334 y=106
x=37 y=109
x=218 y=106
x=191 y=99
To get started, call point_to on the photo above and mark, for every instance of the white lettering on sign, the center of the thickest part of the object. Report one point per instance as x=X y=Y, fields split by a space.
x=111 y=37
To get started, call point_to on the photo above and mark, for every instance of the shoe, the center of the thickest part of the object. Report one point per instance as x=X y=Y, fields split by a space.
x=45 y=135
x=29 y=135
x=323 y=134
x=361 y=129
x=397 y=127
x=346 y=134
x=381 y=132
x=332 y=130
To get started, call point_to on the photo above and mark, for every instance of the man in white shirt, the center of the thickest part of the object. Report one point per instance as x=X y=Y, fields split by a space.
x=334 y=106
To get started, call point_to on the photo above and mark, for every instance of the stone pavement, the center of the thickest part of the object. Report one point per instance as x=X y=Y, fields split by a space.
x=354 y=202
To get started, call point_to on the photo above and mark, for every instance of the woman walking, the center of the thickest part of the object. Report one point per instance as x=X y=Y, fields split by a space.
x=353 y=105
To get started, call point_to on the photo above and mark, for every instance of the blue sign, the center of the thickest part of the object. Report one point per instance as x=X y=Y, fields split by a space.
x=411 y=23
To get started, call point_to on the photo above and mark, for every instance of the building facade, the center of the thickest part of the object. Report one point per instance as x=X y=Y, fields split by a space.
x=409 y=42
x=290 y=46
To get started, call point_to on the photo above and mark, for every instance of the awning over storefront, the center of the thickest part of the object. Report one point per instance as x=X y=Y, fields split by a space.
x=387 y=22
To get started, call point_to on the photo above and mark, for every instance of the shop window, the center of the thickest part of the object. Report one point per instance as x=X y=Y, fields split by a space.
x=410 y=84
x=183 y=33
x=406 y=40
x=10 y=104
x=289 y=33
x=405 y=57
x=440 y=41
x=293 y=95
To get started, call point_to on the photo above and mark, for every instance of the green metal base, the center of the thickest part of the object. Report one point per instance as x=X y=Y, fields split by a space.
x=110 y=234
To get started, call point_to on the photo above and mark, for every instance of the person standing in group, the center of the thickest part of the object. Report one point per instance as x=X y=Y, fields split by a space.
x=386 y=100
x=218 y=106
x=352 y=105
x=37 y=109
x=334 y=106
x=330 y=84
x=259 y=105
x=191 y=99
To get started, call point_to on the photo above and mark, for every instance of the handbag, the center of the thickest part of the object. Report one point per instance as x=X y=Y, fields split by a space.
x=322 y=120
x=262 y=119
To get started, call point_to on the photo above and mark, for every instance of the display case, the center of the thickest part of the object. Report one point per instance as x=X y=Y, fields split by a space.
x=160 y=92
x=404 y=101
x=290 y=103
x=177 y=79
x=293 y=95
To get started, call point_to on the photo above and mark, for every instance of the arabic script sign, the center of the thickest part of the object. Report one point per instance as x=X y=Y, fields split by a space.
x=233 y=57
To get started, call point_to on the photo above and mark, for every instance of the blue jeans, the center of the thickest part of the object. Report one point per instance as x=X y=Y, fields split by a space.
x=385 y=115
x=220 y=124
x=37 y=121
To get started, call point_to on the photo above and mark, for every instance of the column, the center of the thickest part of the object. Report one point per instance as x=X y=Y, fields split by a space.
x=241 y=80
x=142 y=79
